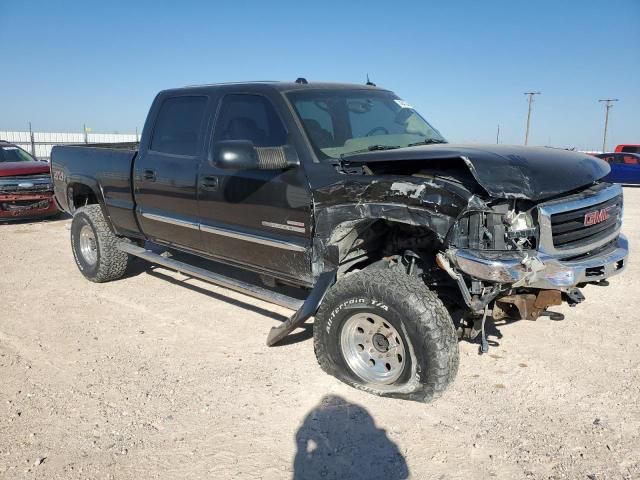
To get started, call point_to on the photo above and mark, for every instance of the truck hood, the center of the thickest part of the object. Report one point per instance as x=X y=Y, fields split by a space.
x=504 y=171
x=15 y=169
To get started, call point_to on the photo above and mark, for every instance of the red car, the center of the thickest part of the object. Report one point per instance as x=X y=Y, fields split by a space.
x=628 y=148
x=26 y=190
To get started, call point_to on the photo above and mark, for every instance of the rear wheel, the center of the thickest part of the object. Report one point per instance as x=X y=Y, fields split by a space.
x=385 y=332
x=94 y=246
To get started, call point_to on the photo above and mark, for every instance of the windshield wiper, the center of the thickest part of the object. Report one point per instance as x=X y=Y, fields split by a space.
x=370 y=148
x=428 y=141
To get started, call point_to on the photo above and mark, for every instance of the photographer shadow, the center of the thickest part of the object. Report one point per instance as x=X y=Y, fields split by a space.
x=339 y=440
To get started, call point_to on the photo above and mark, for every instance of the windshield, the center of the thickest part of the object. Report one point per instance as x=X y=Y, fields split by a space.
x=343 y=122
x=11 y=153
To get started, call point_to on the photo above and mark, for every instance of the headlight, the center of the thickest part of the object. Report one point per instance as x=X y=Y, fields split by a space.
x=498 y=229
x=519 y=225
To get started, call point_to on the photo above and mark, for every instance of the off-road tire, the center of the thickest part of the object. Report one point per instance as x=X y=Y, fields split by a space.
x=413 y=310
x=111 y=263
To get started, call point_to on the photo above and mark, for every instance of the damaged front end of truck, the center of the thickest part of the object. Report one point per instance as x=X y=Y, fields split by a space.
x=508 y=231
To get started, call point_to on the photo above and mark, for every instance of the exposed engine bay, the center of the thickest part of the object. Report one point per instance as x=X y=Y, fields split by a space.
x=506 y=253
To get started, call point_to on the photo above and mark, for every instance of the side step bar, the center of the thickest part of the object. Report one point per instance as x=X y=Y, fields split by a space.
x=211 y=277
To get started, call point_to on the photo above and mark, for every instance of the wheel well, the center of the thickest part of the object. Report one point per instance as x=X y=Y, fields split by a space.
x=370 y=242
x=79 y=195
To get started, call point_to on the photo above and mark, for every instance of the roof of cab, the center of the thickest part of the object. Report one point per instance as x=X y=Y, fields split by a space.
x=285 y=86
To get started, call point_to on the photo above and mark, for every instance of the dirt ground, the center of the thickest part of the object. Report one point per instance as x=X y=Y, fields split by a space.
x=162 y=376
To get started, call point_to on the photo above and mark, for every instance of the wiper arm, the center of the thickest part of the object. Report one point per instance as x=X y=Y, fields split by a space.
x=370 y=148
x=428 y=141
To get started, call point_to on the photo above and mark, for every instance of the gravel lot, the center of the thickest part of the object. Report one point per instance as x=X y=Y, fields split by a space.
x=162 y=376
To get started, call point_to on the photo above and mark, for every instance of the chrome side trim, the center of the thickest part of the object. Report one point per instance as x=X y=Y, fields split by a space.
x=295 y=224
x=225 y=232
x=249 y=237
x=545 y=211
x=292 y=227
x=170 y=220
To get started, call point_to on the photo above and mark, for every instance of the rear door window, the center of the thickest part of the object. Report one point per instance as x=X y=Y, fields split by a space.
x=178 y=126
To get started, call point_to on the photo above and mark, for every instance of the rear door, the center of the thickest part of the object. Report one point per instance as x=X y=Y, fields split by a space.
x=256 y=217
x=166 y=172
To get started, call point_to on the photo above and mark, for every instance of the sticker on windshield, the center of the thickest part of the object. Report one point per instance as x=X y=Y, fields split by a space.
x=403 y=104
x=10 y=148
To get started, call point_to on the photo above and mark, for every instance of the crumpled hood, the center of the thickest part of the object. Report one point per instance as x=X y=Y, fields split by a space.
x=507 y=171
x=15 y=169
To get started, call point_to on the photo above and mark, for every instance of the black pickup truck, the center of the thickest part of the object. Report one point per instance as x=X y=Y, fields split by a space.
x=401 y=242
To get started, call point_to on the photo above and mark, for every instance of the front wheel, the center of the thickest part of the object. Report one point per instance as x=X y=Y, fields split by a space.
x=94 y=246
x=385 y=332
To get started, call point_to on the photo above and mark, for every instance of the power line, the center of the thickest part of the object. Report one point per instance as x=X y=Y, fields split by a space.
x=526 y=135
x=608 y=105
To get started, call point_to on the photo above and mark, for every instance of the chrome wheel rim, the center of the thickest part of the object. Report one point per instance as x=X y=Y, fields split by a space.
x=372 y=348
x=88 y=245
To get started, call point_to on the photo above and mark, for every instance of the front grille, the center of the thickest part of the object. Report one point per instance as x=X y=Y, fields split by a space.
x=571 y=229
x=26 y=184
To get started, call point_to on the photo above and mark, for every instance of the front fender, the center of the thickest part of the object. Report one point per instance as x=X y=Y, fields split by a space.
x=351 y=205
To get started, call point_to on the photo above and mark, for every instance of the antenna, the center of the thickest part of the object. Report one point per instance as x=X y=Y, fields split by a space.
x=369 y=82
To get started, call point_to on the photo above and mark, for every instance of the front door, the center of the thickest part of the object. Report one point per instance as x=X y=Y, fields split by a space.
x=256 y=217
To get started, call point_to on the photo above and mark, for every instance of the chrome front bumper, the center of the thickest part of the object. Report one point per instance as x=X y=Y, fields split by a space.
x=540 y=270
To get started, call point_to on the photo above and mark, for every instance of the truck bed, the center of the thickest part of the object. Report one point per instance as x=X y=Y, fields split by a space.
x=107 y=170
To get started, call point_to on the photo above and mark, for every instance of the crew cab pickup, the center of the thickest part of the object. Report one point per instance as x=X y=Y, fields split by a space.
x=346 y=192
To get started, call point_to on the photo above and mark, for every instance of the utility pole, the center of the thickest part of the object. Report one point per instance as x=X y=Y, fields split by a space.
x=33 y=142
x=608 y=104
x=526 y=135
x=498 y=135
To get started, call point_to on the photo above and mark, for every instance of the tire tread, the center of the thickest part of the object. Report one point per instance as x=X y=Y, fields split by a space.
x=112 y=262
x=431 y=326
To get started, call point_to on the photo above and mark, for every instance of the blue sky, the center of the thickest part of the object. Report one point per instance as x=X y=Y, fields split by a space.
x=463 y=64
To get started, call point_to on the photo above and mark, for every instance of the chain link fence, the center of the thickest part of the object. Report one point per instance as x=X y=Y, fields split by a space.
x=39 y=144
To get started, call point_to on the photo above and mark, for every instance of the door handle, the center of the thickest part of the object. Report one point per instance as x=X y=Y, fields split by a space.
x=149 y=175
x=209 y=182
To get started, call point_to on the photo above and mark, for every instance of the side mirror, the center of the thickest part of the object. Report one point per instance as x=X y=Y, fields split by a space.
x=242 y=155
x=235 y=154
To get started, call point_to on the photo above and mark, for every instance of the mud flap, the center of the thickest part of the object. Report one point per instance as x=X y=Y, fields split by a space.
x=308 y=309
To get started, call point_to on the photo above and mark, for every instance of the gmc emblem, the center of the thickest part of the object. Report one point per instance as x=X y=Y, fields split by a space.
x=597 y=216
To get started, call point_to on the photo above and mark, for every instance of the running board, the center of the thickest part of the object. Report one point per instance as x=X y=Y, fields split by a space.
x=309 y=309
x=245 y=288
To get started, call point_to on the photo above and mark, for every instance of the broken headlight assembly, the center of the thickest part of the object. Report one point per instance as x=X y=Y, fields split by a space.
x=520 y=230
x=503 y=227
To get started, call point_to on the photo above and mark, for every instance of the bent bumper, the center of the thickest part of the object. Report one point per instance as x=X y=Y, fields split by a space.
x=16 y=206
x=541 y=270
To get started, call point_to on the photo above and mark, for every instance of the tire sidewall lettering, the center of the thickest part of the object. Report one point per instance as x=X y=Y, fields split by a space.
x=351 y=303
